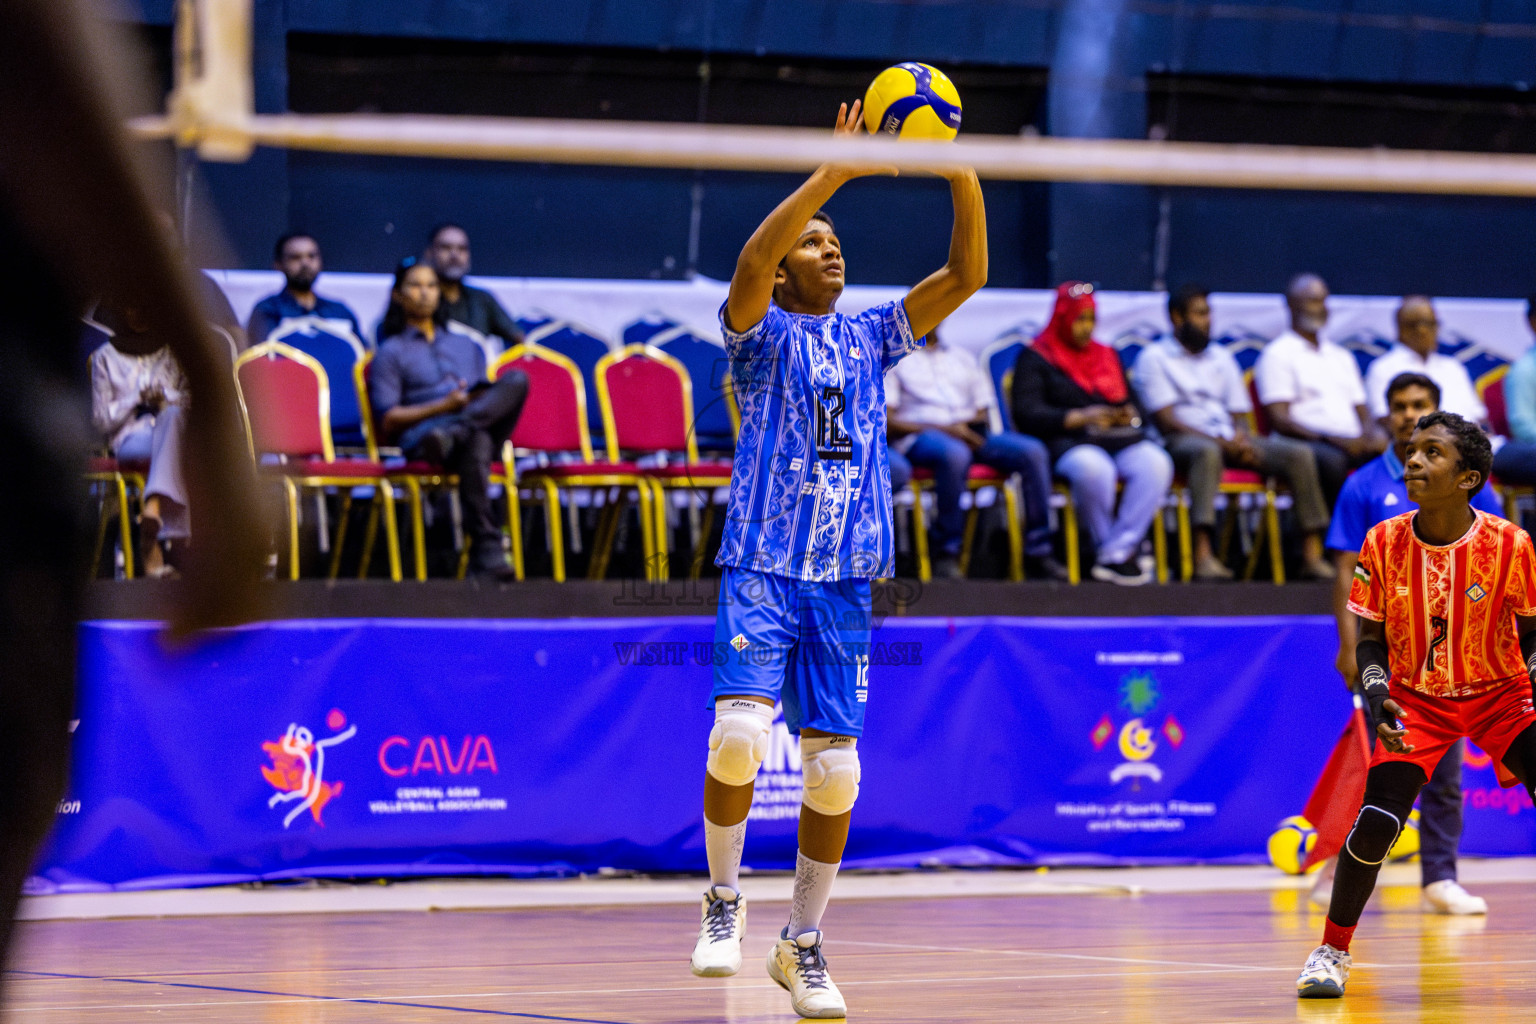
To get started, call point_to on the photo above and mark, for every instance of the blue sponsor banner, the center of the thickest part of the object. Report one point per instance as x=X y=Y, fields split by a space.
x=412 y=747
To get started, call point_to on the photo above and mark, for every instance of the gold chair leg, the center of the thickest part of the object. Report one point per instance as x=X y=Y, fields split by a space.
x=515 y=526
x=1252 y=565
x=1074 y=554
x=703 y=541
x=1272 y=522
x=292 y=494
x=385 y=495
x=341 y=535
x=1160 y=545
x=125 y=524
x=967 y=538
x=920 y=536
x=1015 y=536
x=1186 y=550
x=602 y=540
x=556 y=530
x=658 y=558
x=371 y=534
x=418 y=525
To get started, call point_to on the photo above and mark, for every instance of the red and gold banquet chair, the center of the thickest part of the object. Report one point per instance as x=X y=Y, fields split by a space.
x=285 y=403
x=554 y=421
x=647 y=404
x=416 y=477
x=125 y=479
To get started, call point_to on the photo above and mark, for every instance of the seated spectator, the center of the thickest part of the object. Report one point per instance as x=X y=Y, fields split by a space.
x=1072 y=393
x=1196 y=395
x=297 y=255
x=1515 y=462
x=475 y=308
x=137 y=396
x=429 y=390
x=937 y=405
x=1418 y=351
x=1311 y=389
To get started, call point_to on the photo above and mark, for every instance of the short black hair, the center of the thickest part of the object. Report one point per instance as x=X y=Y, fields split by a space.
x=444 y=226
x=288 y=236
x=1178 y=301
x=1404 y=381
x=1472 y=448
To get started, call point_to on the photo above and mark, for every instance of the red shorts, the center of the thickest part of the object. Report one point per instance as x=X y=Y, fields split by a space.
x=1492 y=720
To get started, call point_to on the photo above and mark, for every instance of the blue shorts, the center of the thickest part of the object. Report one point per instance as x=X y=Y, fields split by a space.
x=806 y=644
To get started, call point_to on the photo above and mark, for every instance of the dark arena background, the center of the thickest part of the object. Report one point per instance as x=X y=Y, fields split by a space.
x=446 y=763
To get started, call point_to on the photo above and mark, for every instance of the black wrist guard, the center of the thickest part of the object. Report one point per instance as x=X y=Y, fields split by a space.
x=1371 y=656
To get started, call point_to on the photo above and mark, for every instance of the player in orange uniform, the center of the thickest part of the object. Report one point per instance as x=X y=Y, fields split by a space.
x=1446 y=598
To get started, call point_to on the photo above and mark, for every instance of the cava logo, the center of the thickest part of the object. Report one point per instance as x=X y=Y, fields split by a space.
x=297 y=770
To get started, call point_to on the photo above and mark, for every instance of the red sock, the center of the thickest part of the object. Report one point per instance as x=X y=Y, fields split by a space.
x=1337 y=936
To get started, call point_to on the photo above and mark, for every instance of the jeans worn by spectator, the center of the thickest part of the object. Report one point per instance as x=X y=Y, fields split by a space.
x=475 y=435
x=1146 y=472
x=1200 y=461
x=950 y=459
x=160 y=443
x=1440 y=814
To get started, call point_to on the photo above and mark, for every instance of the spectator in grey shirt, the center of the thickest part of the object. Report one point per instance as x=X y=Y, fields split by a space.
x=1195 y=393
x=428 y=388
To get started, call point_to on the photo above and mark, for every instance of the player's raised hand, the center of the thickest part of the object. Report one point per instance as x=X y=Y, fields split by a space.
x=1391 y=729
x=850 y=122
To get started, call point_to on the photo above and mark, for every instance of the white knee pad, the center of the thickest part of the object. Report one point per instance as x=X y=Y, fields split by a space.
x=739 y=741
x=830 y=765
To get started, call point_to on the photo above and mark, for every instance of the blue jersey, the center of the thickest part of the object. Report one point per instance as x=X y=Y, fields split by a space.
x=811 y=484
x=1375 y=493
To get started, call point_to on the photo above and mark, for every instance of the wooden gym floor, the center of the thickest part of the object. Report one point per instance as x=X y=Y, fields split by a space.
x=1186 y=957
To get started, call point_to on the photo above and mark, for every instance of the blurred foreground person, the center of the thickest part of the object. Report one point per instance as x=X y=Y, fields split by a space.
x=76 y=221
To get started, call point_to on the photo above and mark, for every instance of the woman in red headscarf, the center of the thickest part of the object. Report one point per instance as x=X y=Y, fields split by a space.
x=1073 y=393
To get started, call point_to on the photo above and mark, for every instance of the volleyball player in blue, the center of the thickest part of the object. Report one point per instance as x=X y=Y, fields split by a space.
x=808 y=526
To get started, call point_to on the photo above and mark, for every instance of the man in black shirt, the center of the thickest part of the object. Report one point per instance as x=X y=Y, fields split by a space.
x=475 y=308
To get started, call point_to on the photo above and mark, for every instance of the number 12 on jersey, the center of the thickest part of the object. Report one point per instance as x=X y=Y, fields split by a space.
x=832 y=441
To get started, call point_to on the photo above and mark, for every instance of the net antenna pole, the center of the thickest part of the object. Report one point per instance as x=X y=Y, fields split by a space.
x=211 y=106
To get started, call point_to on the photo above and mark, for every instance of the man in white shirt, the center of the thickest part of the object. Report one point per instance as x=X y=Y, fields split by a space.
x=1417 y=351
x=1311 y=390
x=1195 y=393
x=937 y=413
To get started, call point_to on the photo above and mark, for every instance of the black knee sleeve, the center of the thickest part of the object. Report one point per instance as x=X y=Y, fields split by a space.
x=1390 y=790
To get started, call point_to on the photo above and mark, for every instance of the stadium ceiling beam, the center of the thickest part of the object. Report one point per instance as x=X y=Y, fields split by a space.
x=736 y=148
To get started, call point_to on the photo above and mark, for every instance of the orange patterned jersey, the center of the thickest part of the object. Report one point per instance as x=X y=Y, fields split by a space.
x=1449 y=611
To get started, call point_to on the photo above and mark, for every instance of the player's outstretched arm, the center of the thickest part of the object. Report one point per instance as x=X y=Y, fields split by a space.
x=752 y=283
x=942 y=292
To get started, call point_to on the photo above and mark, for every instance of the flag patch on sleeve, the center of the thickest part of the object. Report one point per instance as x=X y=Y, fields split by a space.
x=1362 y=575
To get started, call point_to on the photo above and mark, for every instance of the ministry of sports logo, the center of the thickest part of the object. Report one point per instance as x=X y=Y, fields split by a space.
x=297 y=770
x=1136 y=740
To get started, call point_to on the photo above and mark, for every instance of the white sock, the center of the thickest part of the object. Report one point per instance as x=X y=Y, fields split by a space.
x=813 y=888
x=723 y=845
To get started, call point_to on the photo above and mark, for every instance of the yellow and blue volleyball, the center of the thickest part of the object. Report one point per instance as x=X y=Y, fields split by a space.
x=912 y=101
x=1407 y=845
x=1290 y=844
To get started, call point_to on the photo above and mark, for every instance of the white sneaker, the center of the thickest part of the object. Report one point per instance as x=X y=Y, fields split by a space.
x=717 y=954
x=1324 y=975
x=1448 y=897
x=798 y=966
